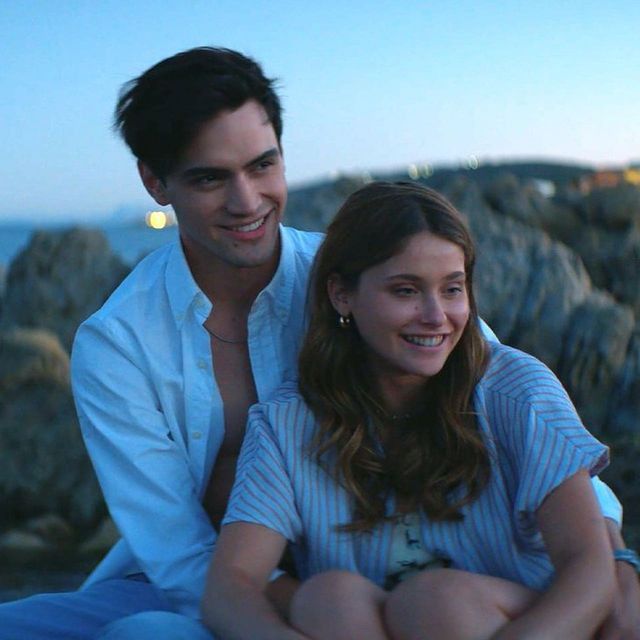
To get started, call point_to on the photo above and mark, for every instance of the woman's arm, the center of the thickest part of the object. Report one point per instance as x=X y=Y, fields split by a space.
x=235 y=605
x=577 y=541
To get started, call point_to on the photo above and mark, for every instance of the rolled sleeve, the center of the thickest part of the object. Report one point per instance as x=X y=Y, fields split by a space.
x=263 y=493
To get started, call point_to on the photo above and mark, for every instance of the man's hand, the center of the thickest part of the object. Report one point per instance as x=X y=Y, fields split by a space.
x=623 y=623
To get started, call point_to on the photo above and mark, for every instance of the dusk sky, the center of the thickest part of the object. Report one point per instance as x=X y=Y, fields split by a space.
x=365 y=85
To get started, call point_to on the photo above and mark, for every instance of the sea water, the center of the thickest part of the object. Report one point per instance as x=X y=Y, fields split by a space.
x=130 y=242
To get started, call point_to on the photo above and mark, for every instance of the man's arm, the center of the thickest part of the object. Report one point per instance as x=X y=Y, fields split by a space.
x=623 y=622
x=144 y=472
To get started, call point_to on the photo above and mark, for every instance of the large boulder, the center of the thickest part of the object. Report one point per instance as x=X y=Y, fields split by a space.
x=608 y=240
x=523 y=200
x=58 y=280
x=44 y=467
x=612 y=207
x=312 y=207
x=602 y=227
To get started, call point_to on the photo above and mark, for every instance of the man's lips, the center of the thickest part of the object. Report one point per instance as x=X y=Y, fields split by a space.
x=248 y=231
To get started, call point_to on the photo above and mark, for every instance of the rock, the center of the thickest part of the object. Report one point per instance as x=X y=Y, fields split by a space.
x=102 y=539
x=622 y=406
x=31 y=356
x=44 y=467
x=53 y=529
x=17 y=541
x=612 y=207
x=612 y=258
x=623 y=475
x=594 y=350
x=312 y=207
x=523 y=201
x=58 y=280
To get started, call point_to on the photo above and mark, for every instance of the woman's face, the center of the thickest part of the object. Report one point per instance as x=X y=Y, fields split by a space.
x=410 y=311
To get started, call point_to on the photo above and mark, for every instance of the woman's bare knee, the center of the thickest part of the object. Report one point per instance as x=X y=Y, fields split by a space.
x=338 y=604
x=453 y=604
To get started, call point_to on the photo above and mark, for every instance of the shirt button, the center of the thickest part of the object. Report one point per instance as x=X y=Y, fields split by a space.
x=202 y=364
x=196 y=435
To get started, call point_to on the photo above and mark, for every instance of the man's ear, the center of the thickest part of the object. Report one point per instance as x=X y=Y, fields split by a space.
x=154 y=185
x=339 y=295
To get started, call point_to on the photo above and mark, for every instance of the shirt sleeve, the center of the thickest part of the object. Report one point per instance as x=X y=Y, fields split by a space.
x=263 y=492
x=609 y=503
x=487 y=331
x=544 y=435
x=144 y=474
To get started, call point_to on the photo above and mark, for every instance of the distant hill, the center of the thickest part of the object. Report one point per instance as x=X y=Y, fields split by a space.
x=558 y=173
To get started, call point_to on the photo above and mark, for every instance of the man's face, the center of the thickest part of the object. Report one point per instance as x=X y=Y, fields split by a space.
x=228 y=191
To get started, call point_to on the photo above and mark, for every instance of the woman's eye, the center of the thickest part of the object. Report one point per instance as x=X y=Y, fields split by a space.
x=455 y=290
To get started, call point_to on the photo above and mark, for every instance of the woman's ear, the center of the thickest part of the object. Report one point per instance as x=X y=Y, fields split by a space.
x=339 y=294
x=155 y=186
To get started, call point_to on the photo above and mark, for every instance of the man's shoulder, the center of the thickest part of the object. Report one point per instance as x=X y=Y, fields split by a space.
x=139 y=289
x=304 y=243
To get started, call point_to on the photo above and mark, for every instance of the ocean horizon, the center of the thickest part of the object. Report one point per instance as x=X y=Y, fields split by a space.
x=129 y=241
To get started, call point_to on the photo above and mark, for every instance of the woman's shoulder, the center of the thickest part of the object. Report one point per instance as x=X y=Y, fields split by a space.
x=285 y=409
x=518 y=375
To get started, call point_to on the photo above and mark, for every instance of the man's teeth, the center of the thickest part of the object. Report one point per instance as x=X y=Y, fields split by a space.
x=430 y=341
x=251 y=227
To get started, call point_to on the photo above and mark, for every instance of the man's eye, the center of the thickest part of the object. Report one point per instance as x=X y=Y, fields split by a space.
x=405 y=291
x=265 y=164
x=206 y=180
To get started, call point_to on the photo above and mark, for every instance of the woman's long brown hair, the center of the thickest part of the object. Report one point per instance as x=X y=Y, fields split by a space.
x=436 y=459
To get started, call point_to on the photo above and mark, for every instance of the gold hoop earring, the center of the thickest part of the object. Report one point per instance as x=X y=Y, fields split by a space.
x=344 y=322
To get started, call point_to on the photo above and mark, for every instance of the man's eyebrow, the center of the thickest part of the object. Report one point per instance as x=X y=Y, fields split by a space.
x=220 y=173
x=267 y=155
x=196 y=172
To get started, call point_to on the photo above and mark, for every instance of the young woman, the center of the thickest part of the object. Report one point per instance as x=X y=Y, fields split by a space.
x=431 y=485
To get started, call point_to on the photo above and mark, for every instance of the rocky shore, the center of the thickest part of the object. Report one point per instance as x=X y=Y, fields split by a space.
x=558 y=276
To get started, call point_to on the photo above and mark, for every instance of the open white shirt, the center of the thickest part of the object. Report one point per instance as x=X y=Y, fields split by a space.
x=151 y=412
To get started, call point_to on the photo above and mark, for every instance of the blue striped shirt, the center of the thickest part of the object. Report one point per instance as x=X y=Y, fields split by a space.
x=535 y=441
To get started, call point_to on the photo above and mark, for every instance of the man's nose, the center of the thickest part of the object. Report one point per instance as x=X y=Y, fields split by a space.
x=242 y=196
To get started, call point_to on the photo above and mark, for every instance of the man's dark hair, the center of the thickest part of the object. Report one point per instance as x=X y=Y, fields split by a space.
x=159 y=113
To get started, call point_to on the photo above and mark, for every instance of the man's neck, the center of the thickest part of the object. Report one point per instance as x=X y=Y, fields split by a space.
x=227 y=284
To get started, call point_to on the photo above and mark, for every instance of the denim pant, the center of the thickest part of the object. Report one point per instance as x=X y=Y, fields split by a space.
x=117 y=609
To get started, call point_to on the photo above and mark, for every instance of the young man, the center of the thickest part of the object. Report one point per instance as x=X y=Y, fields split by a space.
x=164 y=373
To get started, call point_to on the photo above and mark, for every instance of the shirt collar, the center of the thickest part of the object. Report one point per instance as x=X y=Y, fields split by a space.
x=183 y=290
x=280 y=290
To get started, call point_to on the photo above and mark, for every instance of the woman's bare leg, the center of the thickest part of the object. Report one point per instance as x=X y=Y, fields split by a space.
x=339 y=605
x=447 y=604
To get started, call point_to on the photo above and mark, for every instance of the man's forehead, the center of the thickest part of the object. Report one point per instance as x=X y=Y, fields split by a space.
x=232 y=138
